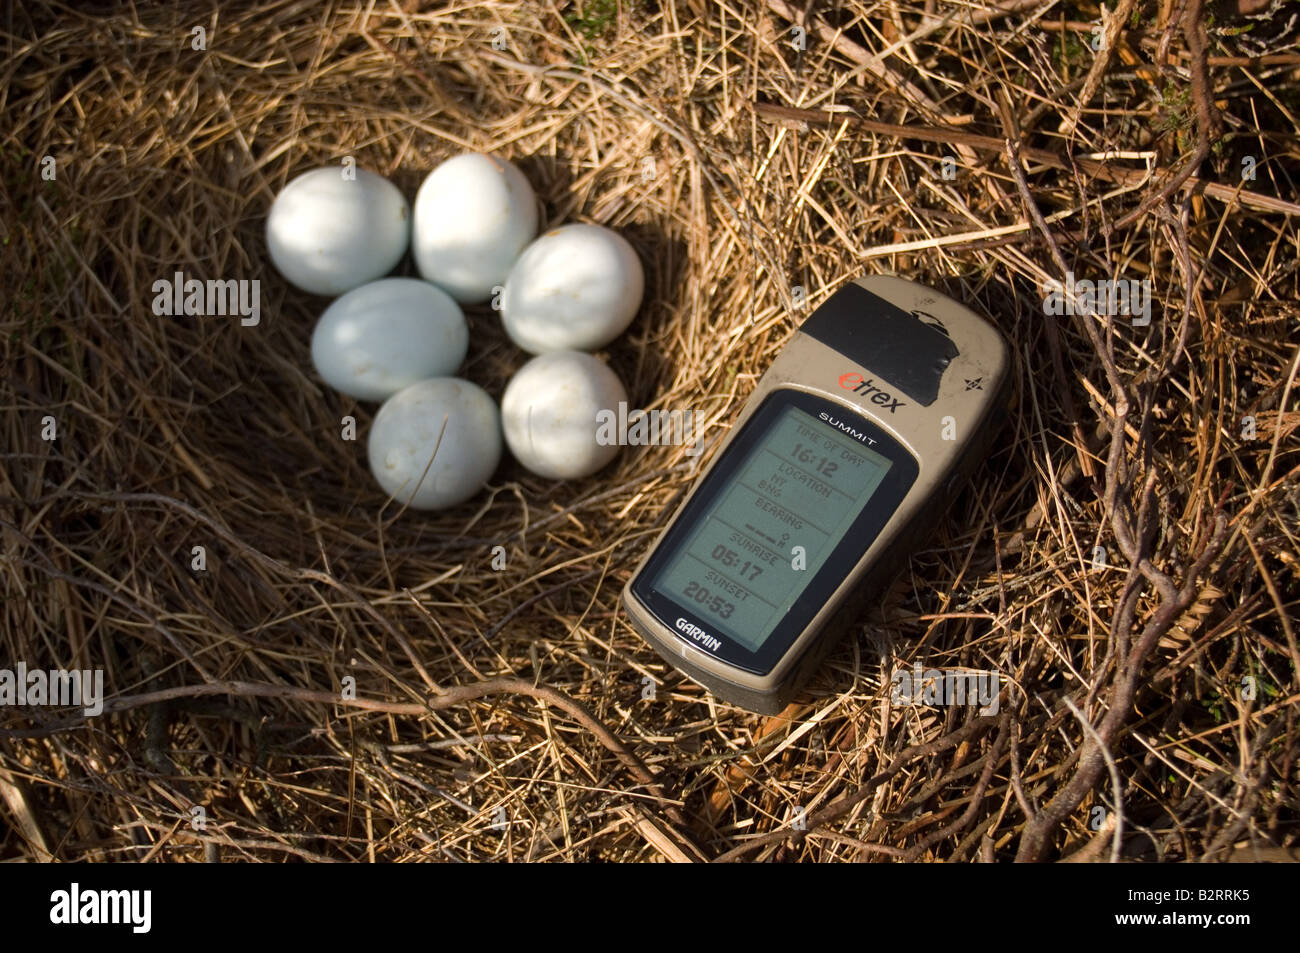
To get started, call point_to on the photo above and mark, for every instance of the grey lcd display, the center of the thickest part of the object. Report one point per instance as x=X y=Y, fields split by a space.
x=802 y=485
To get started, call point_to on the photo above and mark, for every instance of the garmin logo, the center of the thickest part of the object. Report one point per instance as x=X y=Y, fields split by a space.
x=863 y=385
x=841 y=425
x=699 y=635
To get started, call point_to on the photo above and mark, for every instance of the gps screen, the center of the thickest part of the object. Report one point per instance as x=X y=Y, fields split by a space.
x=772 y=526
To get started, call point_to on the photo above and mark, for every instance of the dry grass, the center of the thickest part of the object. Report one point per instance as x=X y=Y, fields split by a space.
x=179 y=432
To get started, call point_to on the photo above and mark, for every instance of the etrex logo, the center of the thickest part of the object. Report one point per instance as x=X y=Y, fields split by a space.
x=862 y=385
x=699 y=635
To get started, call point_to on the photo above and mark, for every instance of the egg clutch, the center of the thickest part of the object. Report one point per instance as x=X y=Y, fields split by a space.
x=472 y=233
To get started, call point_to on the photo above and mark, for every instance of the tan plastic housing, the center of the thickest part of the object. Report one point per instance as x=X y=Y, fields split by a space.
x=948 y=438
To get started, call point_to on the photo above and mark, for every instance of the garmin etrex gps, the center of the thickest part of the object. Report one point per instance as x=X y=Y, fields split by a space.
x=861 y=432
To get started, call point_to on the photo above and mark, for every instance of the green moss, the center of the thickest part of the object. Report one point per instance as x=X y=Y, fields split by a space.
x=1214 y=705
x=592 y=18
x=1071 y=53
x=1176 y=113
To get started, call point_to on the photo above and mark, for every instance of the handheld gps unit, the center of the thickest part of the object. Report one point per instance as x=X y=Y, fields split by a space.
x=861 y=432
